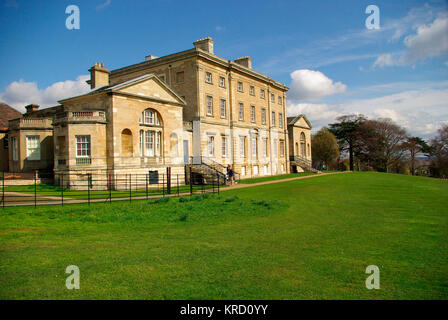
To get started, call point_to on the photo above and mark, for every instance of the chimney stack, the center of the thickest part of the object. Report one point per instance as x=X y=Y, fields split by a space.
x=245 y=62
x=205 y=44
x=31 y=108
x=99 y=76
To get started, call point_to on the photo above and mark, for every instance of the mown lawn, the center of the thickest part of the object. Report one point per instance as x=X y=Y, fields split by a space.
x=279 y=177
x=302 y=239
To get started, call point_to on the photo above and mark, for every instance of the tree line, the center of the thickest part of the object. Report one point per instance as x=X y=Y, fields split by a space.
x=355 y=142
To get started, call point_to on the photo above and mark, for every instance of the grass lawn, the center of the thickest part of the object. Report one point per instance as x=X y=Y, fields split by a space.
x=279 y=177
x=302 y=239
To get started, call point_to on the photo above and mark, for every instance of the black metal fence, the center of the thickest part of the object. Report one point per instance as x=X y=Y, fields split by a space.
x=47 y=188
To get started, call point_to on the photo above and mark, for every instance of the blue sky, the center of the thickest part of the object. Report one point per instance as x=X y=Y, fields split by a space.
x=321 y=49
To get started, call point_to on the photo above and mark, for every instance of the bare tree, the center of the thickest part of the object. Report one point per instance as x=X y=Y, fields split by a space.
x=439 y=153
x=381 y=143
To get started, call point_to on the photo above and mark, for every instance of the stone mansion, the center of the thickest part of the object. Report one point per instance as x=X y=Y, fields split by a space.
x=186 y=108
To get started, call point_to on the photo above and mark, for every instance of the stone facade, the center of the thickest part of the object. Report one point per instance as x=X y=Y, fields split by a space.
x=299 y=133
x=183 y=108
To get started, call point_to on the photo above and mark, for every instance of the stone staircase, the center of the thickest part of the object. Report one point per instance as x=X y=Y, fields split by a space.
x=303 y=162
x=206 y=171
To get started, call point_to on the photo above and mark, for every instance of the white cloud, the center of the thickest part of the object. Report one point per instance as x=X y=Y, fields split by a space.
x=421 y=112
x=384 y=60
x=20 y=93
x=103 y=5
x=429 y=41
x=312 y=85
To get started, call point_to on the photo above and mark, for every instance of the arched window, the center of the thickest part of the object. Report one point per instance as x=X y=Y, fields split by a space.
x=126 y=143
x=151 y=142
x=302 y=145
x=296 y=151
x=151 y=117
x=309 y=150
x=174 y=145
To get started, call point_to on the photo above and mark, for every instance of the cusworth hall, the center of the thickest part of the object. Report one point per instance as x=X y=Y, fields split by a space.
x=187 y=111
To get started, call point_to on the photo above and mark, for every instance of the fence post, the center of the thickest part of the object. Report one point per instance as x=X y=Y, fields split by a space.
x=163 y=184
x=62 y=189
x=218 y=181
x=110 y=187
x=191 y=182
x=88 y=188
x=3 y=189
x=147 y=178
x=177 y=184
x=35 y=189
x=213 y=184
x=168 y=180
x=130 y=188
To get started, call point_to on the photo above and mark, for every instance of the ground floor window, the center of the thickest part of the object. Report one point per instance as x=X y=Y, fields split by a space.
x=265 y=168
x=211 y=146
x=5 y=142
x=15 y=149
x=82 y=146
x=224 y=146
x=255 y=170
x=243 y=171
x=33 y=147
x=152 y=143
x=242 y=147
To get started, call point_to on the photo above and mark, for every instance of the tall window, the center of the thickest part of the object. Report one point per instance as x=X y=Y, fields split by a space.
x=222 y=82
x=242 y=147
x=140 y=140
x=5 y=142
x=224 y=146
x=252 y=113
x=223 y=108
x=280 y=120
x=33 y=147
x=272 y=98
x=82 y=146
x=302 y=144
x=273 y=118
x=209 y=105
x=263 y=116
x=262 y=93
x=279 y=100
x=282 y=148
x=265 y=147
x=149 y=143
x=240 y=86
x=254 y=147
x=208 y=77
x=211 y=146
x=252 y=90
x=240 y=111
x=15 y=149
x=158 y=143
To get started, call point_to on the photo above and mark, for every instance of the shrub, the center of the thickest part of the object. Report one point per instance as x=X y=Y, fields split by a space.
x=231 y=199
x=183 y=217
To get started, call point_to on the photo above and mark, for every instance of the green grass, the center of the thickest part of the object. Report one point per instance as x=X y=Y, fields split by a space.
x=278 y=177
x=55 y=191
x=302 y=239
